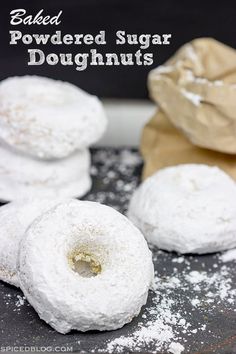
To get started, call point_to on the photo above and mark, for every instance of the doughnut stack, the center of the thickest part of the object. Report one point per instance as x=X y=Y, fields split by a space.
x=46 y=128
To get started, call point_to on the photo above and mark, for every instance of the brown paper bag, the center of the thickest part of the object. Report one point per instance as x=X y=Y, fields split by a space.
x=196 y=89
x=163 y=145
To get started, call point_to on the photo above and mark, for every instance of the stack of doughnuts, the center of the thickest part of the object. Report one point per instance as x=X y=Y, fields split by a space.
x=80 y=264
x=46 y=127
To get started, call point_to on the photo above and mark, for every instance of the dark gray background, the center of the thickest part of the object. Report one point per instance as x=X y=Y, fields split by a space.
x=185 y=19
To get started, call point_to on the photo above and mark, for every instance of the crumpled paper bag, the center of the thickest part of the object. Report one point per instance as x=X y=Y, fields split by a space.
x=163 y=145
x=196 y=89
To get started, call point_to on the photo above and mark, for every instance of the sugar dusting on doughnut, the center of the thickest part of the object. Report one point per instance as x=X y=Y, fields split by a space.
x=15 y=217
x=187 y=208
x=22 y=176
x=95 y=272
x=48 y=118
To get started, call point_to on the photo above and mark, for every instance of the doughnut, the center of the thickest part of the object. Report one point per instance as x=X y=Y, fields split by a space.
x=187 y=208
x=48 y=118
x=22 y=176
x=15 y=217
x=93 y=274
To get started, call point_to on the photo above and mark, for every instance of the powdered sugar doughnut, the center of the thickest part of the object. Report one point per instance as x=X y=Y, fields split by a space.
x=187 y=208
x=22 y=176
x=48 y=118
x=15 y=217
x=94 y=273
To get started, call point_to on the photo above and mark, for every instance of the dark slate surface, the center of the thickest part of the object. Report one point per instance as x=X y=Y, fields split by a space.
x=115 y=175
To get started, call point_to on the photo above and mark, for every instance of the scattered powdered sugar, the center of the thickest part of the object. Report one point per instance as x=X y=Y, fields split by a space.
x=157 y=332
x=196 y=277
x=7 y=299
x=129 y=158
x=176 y=348
x=195 y=302
x=178 y=260
x=15 y=301
x=20 y=301
x=114 y=177
x=165 y=324
x=228 y=256
x=219 y=280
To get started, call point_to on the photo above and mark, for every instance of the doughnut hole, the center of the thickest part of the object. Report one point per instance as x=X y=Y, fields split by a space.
x=84 y=263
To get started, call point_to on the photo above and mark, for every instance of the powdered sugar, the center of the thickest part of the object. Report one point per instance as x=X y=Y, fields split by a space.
x=176 y=348
x=219 y=280
x=228 y=256
x=165 y=325
x=129 y=158
x=20 y=301
x=115 y=172
x=155 y=332
x=178 y=260
x=195 y=302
